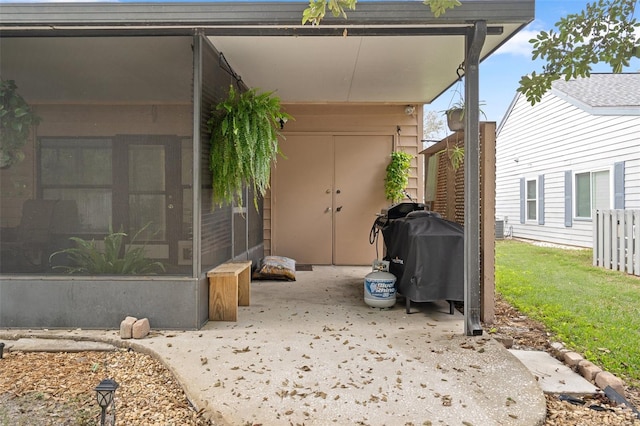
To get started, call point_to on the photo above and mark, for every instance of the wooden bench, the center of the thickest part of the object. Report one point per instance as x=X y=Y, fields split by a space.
x=229 y=287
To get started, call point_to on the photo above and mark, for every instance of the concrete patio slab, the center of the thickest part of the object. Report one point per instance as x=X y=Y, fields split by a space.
x=312 y=352
x=553 y=376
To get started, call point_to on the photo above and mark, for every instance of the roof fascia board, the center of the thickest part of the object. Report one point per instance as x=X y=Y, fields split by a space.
x=268 y=14
x=239 y=31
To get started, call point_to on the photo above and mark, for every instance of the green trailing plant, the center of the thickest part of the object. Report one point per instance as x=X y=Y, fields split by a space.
x=16 y=119
x=244 y=143
x=88 y=259
x=455 y=155
x=397 y=177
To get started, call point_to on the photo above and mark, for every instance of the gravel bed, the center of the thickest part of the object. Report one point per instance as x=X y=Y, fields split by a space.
x=40 y=388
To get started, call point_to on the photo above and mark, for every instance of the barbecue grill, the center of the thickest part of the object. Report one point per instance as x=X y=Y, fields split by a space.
x=426 y=254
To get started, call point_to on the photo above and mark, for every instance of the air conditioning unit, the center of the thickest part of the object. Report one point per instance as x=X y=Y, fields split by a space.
x=499 y=229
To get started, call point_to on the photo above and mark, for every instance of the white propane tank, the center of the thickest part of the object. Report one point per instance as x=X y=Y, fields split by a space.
x=380 y=286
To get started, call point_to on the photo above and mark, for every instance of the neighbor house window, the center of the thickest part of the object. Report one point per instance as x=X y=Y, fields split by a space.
x=532 y=200
x=592 y=192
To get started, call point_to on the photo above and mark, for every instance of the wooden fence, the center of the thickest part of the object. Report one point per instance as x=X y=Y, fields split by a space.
x=616 y=240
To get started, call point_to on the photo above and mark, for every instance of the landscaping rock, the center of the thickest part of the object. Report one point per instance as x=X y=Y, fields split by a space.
x=572 y=359
x=588 y=370
x=126 y=327
x=141 y=328
x=605 y=379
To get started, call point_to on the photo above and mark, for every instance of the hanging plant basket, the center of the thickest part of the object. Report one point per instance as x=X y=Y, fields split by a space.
x=397 y=177
x=244 y=143
x=16 y=119
x=455 y=119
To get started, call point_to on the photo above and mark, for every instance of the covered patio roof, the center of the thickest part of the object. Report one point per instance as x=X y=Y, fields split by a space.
x=387 y=51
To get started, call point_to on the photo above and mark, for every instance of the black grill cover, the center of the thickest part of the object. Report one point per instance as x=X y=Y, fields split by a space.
x=426 y=255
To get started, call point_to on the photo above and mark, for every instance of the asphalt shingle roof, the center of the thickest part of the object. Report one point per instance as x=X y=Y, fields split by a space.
x=603 y=90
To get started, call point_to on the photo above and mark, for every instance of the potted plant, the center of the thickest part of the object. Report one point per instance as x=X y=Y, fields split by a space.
x=244 y=142
x=397 y=177
x=16 y=119
x=455 y=115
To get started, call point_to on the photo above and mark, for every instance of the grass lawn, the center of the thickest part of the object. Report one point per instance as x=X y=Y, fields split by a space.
x=593 y=311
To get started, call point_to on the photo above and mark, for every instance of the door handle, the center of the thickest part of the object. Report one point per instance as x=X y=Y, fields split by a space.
x=338 y=208
x=328 y=210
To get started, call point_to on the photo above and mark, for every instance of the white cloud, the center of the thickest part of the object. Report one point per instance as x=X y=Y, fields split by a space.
x=519 y=44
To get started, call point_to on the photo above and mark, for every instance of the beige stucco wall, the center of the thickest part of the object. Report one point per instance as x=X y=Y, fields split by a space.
x=356 y=119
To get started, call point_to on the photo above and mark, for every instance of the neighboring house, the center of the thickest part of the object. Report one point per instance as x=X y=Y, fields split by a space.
x=574 y=152
x=124 y=92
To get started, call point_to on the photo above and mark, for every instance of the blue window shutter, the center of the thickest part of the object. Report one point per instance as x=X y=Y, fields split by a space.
x=541 y=200
x=618 y=185
x=522 y=201
x=568 y=199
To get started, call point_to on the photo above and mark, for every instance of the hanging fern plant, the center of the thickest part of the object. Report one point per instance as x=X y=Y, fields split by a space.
x=16 y=119
x=397 y=177
x=244 y=142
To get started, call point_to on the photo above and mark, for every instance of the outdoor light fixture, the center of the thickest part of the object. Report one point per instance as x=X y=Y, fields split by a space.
x=409 y=109
x=105 y=392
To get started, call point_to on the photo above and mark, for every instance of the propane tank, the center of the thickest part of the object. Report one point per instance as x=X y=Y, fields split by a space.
x=380 y=286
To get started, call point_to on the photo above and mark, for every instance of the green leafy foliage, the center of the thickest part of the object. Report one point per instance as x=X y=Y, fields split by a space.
x=455 y=154
x=397 y=177
x=604 y=32
x=439 y=7
x=317 y=9
x=16 y=118
x=88 y=259
x=244 y=143
x=592 y=310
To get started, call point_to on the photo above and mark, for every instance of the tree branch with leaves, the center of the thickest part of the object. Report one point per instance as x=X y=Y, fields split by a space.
x=317 y=9
x=606 y=31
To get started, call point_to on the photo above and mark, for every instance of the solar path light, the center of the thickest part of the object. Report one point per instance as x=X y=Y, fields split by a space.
x=105 y=392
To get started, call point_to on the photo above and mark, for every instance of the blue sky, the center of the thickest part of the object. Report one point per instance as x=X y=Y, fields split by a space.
x=500 y=73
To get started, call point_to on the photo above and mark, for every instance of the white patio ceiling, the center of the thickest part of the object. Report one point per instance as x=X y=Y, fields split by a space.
x=394 y=69
x=387 y=51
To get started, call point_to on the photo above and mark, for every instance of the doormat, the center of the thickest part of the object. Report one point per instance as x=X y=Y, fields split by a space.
x=303 y=267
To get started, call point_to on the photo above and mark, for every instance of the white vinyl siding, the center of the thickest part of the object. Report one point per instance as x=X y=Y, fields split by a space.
x=557 y=140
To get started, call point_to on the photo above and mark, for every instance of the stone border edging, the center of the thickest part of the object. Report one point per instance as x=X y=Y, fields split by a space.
x=587 y=369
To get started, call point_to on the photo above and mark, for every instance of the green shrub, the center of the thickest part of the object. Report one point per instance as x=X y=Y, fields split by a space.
x=88 y=259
